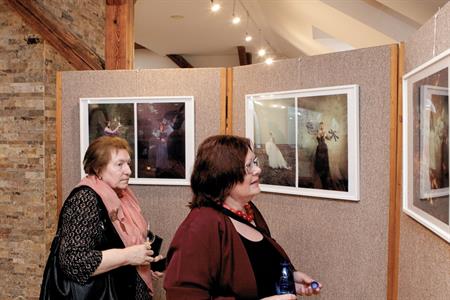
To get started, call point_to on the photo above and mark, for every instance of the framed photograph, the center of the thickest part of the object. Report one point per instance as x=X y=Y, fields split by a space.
x=434 y=116
x=425 y=145
x=160 y=130
x=307 y=141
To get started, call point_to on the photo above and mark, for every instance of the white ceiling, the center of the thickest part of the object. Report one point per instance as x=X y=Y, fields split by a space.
x=289 y=28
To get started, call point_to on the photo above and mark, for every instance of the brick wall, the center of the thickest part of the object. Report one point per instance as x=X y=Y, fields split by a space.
x=28 y=67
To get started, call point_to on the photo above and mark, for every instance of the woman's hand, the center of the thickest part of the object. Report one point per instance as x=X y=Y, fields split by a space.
x=139 y=254
x=157 y=275
x=302 y=285
x=281 y=297
x=134 y=255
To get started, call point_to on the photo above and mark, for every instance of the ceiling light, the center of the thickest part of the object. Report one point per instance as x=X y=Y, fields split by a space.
x=269 y=61
x=236 y=19
x=248 y=37
x=262 y=52
x=215 y=7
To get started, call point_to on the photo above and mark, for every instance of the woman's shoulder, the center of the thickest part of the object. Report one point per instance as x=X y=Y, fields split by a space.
x=204 y=219
x=81 y=195
x=205 y=214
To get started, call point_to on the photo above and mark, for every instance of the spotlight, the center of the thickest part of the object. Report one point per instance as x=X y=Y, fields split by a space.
x=262 y=52
x=215 y=7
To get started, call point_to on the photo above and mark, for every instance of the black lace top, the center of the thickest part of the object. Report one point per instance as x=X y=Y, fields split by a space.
x=81 y=231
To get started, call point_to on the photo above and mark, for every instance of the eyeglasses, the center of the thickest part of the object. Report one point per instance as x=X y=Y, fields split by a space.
x=250 y=167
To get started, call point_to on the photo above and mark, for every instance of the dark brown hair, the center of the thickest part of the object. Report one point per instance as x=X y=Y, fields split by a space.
x=219 y=165
x=99 y=152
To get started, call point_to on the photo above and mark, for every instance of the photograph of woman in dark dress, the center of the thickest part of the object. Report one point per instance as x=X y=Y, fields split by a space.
x=323 y=151
x=321 y=161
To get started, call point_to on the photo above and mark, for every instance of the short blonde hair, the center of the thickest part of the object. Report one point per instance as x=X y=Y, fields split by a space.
x=98 y=154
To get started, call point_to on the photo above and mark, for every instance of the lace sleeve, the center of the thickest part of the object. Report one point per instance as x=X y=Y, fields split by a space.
x=80 y=230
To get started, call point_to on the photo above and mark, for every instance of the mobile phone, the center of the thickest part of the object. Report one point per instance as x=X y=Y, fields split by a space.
x=156 y=245
x=160 y=265
x=155 y=241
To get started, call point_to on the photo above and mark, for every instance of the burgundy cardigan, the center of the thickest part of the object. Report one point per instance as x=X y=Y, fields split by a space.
x=207 y=259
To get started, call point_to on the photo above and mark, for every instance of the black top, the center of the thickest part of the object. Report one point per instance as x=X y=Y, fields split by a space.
x=265 y=261
x=86 y=230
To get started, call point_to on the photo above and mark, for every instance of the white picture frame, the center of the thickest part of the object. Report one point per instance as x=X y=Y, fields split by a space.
x=428 y=206
x=285 y=128
x=160 y=131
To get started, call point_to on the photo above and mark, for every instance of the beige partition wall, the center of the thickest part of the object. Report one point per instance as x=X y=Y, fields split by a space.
x=164 y=206
x=343 y=244
x=424 y=267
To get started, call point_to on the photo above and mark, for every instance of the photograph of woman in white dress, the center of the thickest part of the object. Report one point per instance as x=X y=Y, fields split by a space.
x=274 y=136
x=276 y=159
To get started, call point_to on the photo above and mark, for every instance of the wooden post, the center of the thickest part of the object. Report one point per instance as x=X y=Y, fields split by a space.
x=119 y=34
x=395 y=202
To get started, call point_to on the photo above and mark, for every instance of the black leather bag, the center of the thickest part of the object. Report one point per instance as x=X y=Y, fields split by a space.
x=55 y=286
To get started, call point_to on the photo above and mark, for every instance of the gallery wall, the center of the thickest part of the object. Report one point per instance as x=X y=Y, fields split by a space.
x=424 y=267
x=344 y=244
x=164 y=206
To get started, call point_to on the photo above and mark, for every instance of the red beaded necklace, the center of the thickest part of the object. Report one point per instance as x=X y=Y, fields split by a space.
x=247 y=215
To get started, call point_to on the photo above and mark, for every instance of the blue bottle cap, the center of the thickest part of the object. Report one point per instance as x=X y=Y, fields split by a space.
x=314 y=285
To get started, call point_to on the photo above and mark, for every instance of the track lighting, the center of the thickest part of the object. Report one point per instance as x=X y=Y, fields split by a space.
x=215 y=7
x=236 y=19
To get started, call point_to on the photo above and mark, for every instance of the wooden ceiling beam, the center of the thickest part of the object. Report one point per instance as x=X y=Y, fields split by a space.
x=119 y=34
x=68 y=45
x=139 y=46
x=179 y=60
x=245 y=58
x=242 y=56
x=249 y=57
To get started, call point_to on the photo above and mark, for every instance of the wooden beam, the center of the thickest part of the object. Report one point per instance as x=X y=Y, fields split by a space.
x=138 y=46
x=229 y=105
x=179 y=60
x=395 y=174
x=223 y=101
x=242 y=56
x=249 y=58
x=59 y=194
x=73 y=49
x=119 y=34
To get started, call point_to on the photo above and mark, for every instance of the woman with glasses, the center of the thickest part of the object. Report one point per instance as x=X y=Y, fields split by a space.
x=223 y=249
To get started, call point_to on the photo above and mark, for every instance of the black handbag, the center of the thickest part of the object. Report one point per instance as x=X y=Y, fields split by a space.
x=55 y=286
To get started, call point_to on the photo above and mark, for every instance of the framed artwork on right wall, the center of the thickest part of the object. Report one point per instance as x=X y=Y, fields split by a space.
x=307 y=141
x=425 y=145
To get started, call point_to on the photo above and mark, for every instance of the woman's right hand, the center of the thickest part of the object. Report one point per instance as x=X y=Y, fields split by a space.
x=139 y=254
x=281 y=297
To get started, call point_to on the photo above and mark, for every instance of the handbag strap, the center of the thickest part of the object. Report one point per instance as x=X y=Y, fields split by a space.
x=242 y=220
x=259 y=229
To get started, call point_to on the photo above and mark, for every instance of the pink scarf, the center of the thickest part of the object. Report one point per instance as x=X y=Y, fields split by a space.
x=126 y=216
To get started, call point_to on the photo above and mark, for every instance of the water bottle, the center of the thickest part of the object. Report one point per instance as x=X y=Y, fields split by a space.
x=285 y=283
